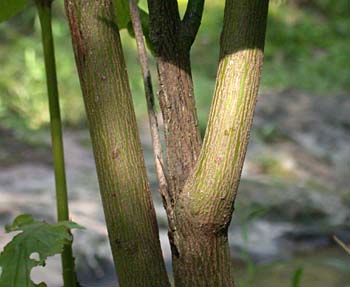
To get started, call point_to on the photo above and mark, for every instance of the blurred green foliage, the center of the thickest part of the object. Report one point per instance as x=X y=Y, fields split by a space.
x=307 y=48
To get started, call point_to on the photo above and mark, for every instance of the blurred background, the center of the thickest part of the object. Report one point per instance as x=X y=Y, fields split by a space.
x=295 y=190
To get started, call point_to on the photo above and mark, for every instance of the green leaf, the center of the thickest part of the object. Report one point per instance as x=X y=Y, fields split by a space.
x=144 y=17
x=297 y=277
x=36 y=237
x=9 y=8
x=122 y=13
x=123 y=18
x=20 y=220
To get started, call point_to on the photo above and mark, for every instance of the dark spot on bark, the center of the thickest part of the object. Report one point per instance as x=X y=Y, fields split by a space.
x=115 y=154
x=128 y=246
x=174 y=249
x=117 y=242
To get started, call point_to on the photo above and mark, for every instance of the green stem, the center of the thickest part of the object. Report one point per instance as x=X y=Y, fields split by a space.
x=44 y=10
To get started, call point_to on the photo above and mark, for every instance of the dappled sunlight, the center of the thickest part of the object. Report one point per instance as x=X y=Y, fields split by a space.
x=294 y=191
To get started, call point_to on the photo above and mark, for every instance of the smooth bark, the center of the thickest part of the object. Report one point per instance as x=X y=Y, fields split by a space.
x=127 y=204
x=204 y=209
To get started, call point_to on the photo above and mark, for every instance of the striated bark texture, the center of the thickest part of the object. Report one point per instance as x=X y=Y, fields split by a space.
x=152 y=117
x=172 y=40
x=127 y=204
x=204 y=209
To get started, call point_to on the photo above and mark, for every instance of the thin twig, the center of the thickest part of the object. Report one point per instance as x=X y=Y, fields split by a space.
x=153 y=122
x=342 y=244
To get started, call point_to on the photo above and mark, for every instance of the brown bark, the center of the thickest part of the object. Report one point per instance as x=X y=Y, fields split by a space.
x=203 y=183
x=127 y=204
x=172 y=40
x=152 y=117
x=204 y=209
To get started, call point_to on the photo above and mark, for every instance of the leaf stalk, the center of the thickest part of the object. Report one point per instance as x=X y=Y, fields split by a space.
x=45 y=17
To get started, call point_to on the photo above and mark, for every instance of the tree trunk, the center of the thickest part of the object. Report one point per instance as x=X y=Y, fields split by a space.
x=204 y=209
x=172 y=40
x=127 y=204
